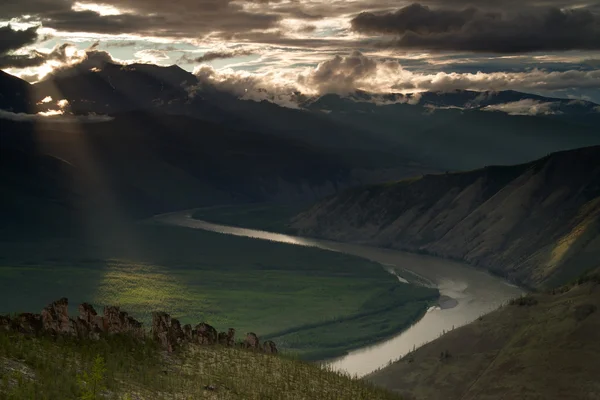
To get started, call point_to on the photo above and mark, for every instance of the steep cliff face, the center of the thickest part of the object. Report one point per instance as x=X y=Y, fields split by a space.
x=536 y=223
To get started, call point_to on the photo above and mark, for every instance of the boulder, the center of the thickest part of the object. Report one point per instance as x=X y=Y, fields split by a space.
x=230 y=337
x=251 y=341
x=28 y=323
x=269 y=347
x=5 y=323
x=55 y=318
x=117 y=321
x=166 y=331
x=89 y=324
x=205 y=334
x=188 y=333
x=227 y=338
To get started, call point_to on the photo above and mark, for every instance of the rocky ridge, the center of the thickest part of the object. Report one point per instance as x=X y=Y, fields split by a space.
x=166 y=331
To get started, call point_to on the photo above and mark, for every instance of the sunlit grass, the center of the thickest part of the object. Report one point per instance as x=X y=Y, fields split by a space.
x=46 y=369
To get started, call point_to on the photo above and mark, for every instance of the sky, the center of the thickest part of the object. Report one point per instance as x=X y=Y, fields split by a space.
x=274 y=48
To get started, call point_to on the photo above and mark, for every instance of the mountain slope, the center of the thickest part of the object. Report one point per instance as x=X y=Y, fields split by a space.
x=14 y=94
x=536 y=223
x=541 y=347
x=414 y=130
x=141 y=164
x=452 y=132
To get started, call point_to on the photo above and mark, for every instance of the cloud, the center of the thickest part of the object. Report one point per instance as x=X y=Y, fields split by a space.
x=217 y=55
x=524 y=107
x=471 y=29
x=152 y=56
x=341 y=74
x=156 y=18
x=346 y=74
x=12 y=40
x=54 y=116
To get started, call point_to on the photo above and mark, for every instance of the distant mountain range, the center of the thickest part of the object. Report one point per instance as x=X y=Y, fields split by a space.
x=460 y=99
x=537 y=224
x=440 y=131
x=164 y=141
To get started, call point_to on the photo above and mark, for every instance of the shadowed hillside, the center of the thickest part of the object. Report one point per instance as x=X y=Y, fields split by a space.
x=542 y=346
x=535 y=223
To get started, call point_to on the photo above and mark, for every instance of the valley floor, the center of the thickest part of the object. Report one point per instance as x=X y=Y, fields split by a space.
x=311 y=302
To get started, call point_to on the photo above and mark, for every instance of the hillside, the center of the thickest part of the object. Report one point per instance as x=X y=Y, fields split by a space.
x=141 y=164
x=120 y=362
x=544 y=346
x=537 y=224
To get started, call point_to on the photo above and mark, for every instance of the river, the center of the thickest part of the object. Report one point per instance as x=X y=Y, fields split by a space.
x=467 y=293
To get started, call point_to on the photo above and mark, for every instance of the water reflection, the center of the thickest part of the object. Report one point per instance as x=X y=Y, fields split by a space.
x=467 y=293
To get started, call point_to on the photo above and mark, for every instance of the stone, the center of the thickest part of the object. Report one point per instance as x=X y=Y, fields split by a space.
x=206 y=334
x=55 y=318
x=251 y=341
x=230 y=337
x=5 y=323
x=166 y=331
x=117 y=321
x=28 y=323
x=188 y=333
x=223 y=338
x=269 y=347
x=89 y=324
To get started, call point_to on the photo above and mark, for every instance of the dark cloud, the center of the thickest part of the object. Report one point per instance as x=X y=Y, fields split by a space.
x=11 y=39
x=471 y=29
x=217 y=55
x=184 y=18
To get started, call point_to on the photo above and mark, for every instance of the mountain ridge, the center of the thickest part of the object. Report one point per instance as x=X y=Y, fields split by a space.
x=535 y=223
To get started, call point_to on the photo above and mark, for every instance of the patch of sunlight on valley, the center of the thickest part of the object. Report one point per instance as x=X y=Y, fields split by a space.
x=141 y=288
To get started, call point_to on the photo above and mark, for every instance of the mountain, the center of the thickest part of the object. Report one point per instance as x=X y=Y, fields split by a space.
x=537 y=224
x=461 y=99
x=140 y=164
x=116 y=88
x=14 y=94
x=465 y=129
x=542 y=346
x=431 y=131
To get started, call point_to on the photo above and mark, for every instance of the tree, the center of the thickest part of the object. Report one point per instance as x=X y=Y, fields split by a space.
x=91 y=384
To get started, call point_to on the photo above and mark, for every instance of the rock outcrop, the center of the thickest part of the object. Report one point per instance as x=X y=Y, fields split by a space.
x=205 y=334
x=227 y=338
x=269 y=347
x=251 y=341
x=117 y=321
x=55 y=318
x=166 y=331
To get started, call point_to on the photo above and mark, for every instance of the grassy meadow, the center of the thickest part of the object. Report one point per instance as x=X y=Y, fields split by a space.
x=118 y=368
x=312 y=302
